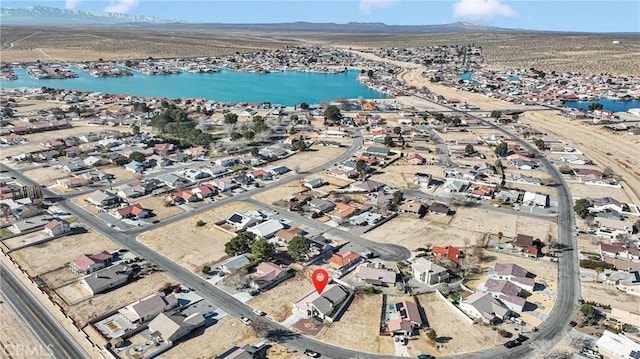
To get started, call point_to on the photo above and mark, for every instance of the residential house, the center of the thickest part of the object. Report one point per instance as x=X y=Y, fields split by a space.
x=73 y=182
x=507 y=292
x=405 y=319
x=280 y=170
x=241 y=221
x=320 y=206
x=343 y=261
x=484 y=307
x=415 y=208
x=535 y=199
x=194 y=174
x=57 y=227
x=620 y=250
x=227 y=161
x=129 y=191
x=102 y=198
x=74 y=166
x=427 y=272
x=369 y=186
x=509 y=271
x=451 y=185
x=163 y=149
x=625 y=281
x=450 y=253
x=224 y=184
x=365 y=218
x=233 y=264
x=214 y=170
x=173 y=181
x=266 y=229
x=605 y=204
x=342 y=212
x=197 y=153
x=380 y=152
x=422 y=179
x=613 y=228
x=108 y=278
x=94 y=161
x=612 y=345
x=89 y=263
x=30 y=224
x=327 y=305
x=314 y=183
x=439 y=209
x=480 y=191
x=523 y=240
x=145 y=309
x=415 y=159
x=268 y=274
x=135 y=211
x=284 y=236
x=376 y=274
x=184 y=196
x=170 y=327
x=206 y=190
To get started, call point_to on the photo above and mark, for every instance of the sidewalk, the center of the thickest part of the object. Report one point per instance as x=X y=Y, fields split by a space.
x=55 y=311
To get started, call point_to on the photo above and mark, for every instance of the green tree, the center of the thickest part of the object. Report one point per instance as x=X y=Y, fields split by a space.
x=298 y=248
x=388 y=141
x=136 y=156
x=361 y=166
x=432 y=335
x=255 y=151
x=301 y=145
x=239 y=244
x=304 y=106
x=582 y=207
x=502 y=149
x=369 y=73
x=397 y=130
x=248 y=134
x=263 y=250
x=595 y=106
x=135 y=129
x=235 y=135
x=230 y=118
x=468 y=149
x=397 y=198
x=540 y=144
x=332 y=113
x=496 y=114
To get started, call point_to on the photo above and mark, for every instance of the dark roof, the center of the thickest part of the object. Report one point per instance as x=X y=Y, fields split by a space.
x=523 y=240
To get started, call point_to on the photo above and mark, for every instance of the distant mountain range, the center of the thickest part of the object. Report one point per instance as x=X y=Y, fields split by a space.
x=46 y=15
x=53 y=16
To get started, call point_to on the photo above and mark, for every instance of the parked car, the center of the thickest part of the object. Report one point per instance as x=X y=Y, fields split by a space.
x=258 y=312
x=311 y=353
x=511 y=343
x=245 y=320
x=573 y=323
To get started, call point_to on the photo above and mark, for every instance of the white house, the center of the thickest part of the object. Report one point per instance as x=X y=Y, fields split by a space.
x=427 y=272
x=57 y=227
x=241 y=221
x=617 y=346
x=535 y=199
x=266 y=229
x=484 y=307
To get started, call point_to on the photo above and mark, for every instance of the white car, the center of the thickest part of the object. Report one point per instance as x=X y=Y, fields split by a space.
x=259 y=313
x=245 y=320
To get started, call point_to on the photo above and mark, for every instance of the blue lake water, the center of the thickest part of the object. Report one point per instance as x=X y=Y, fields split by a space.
x=286 y=88
x=611 y=105
x=467 y=76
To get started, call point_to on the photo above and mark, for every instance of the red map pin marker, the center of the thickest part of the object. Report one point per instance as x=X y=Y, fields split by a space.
x=320 y=278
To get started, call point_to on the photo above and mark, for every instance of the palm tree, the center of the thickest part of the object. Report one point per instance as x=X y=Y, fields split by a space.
x=500 y=235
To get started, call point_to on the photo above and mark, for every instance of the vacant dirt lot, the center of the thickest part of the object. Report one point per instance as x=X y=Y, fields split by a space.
x=187 y=244
x=51 y=255
x=467 y=224
x=607 y=294
x=25 y=239
x=215 y=340
x=447 y=323
x=102 y=303
x=73 y=293
x=159 y=209
x=46 y=176
x=59 y=277
x=307 y=160
x=14 y=333
x=280 y=192
x=277 y=302
x=401 y=176
x=580 y=190
x=359 y=327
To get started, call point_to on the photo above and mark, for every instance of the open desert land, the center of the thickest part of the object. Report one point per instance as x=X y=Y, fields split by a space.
x=82 y=203
x=468 y=224
x=446 y=322
x=100 y=304
x=187 y=244
x=603 y=147
x=58 y=277
x=551 y=191
x=280 y=192
x=359 y=327
x=15 y=334
x=581 y=190
x=277 y=302
x=401 y=176
x=277 y=351
x=119 y=172
x=607 y=294
x=304 y=161
x=45 y=257
x=156 y=204
x=24 y=239
x=46 y=176
x=560 y=52
x=214 y=340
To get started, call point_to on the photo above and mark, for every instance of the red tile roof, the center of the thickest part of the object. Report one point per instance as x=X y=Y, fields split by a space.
x=342 y=260
x=449 y=252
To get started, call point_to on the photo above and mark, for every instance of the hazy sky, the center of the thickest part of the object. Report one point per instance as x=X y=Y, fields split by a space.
x=566 y=15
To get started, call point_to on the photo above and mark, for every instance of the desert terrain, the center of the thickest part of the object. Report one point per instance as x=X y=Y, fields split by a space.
x=559 y=52
x=14 y=334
